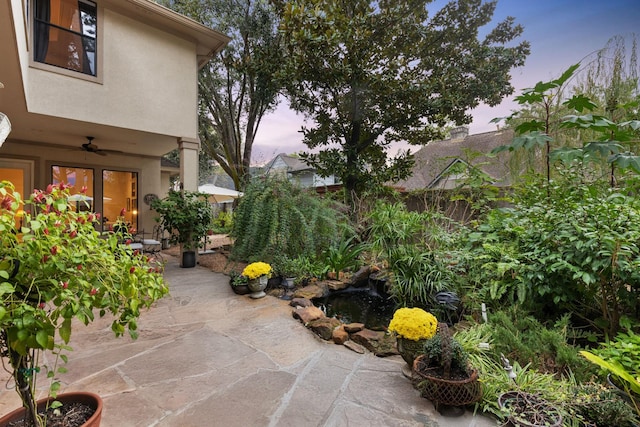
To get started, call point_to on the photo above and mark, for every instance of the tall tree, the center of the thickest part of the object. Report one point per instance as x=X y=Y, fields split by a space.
x=370 y=73
x=238 y=86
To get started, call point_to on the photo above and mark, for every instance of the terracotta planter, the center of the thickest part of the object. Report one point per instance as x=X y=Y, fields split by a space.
x=90 y=399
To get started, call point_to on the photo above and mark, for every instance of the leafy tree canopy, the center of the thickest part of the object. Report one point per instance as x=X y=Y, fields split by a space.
x=370 y=73
x=238 y=86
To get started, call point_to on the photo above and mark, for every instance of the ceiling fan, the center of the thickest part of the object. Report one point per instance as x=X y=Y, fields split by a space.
x=93 y=148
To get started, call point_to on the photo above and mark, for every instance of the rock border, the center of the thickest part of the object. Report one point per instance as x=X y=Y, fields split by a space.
x=354 y=336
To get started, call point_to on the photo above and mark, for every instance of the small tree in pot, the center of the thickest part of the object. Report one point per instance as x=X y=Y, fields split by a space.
x=187 y=216
x=54 y=267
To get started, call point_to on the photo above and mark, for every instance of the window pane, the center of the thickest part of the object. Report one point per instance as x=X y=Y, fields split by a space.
x=120 y=192
x=65 y=34
x=16 y=177
x=78 y=179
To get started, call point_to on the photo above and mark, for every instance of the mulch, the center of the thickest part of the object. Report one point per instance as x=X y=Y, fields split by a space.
x=217 y=257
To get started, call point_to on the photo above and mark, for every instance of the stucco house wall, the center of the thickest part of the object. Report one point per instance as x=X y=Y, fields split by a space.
x=141 y=104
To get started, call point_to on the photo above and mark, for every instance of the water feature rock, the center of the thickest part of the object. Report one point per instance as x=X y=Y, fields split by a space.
x=355 y=347
x=316 y=290
x=300 y=302
x=354 y=327
x=361 y=277
x=336 y=285
x=377 y=342
x=277 y=292
x=307 y=314
x=324 y=327
x=340 y=335
x=387 y=347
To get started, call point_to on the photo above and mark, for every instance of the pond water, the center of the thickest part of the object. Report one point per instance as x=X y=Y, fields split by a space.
x=358 y=305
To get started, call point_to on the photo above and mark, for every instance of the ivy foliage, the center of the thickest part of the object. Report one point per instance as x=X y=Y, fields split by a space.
x=278 y=218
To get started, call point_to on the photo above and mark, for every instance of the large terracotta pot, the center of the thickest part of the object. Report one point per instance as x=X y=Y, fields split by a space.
x=90 y=399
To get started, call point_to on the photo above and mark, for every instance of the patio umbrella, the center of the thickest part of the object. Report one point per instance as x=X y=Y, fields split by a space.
x=219 y=194
x=82 y=202
x=80 y=198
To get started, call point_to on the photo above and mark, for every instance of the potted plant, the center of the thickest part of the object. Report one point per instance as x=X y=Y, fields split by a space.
x=529 y=410
x=187 y=217
x=54 y=268
x=258 y=274
x=291 y=270
x=622 y=378
x=412 y=327
x=239 y=283
x=445 y=374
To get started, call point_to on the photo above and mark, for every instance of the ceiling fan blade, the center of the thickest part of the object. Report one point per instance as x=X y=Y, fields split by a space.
x=92 y=148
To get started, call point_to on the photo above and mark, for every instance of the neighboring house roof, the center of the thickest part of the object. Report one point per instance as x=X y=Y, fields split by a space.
x=296 y=169
x=293 y=164
x=221 y=179
x=433 y=161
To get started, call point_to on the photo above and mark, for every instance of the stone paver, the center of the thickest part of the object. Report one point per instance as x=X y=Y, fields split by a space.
x=208 y=357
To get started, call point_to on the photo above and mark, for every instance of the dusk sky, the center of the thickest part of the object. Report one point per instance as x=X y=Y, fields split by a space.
x=561 y=33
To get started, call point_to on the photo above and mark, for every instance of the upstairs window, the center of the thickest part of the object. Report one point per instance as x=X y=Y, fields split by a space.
x=65 y=34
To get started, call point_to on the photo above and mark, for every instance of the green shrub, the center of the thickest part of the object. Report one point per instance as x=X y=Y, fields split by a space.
x=302 y=268
x=602 y=407
x=343 y=256
x=624 y=349
x=276 y=217
x=416 y=248
x=575 y=252
x=186 y=215
x=520 y=337
x=222 y=223
x=417 y=275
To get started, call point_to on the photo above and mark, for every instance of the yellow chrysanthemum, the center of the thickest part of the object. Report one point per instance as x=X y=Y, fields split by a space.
x=413 y=324
x=256 y=269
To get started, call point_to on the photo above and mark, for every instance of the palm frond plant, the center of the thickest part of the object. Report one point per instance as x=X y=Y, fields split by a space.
x=343 y=255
